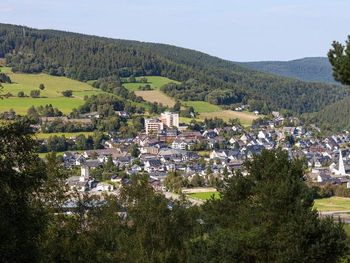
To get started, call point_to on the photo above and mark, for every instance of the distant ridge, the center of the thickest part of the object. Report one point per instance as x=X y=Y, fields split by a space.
x=312 y=69
x=203 y=77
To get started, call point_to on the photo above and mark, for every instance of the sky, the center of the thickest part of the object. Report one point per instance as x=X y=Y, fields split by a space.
x=238 y=30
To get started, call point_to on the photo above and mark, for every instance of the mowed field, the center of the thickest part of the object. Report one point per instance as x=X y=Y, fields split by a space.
x=50 y=95
x=154 y=95
x=332 y=204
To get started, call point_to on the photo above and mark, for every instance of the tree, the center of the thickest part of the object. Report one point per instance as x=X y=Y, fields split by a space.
x=67 y=93
x=22 y=213
x=41 y=86
x=134 y=150
x=35 y=93
x=20 y=94
x=177 y=106
x=339 y=57
x=268 y=216
x=174 y=182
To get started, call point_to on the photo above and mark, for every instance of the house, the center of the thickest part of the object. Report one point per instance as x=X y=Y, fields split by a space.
x=104 y=187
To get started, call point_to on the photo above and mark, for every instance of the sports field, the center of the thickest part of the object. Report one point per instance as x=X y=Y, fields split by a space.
x=205 y=195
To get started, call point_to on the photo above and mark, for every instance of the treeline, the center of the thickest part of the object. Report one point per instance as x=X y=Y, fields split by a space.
x=80 y=142
x=265 y=216
x=89 y=58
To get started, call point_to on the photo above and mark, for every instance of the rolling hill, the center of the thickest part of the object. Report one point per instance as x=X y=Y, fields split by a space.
x=313 y=69
x=203 y=77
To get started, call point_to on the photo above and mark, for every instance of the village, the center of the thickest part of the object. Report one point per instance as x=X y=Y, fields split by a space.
x=204 y=158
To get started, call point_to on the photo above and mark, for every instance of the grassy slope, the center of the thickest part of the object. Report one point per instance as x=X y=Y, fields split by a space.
x=155 y=82
x=205 y=109
x=52 y=92
x=333 y=204
x=154 y=95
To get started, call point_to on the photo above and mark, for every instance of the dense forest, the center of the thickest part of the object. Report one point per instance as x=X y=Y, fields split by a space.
x=219 y=81
x=334 y=117
x=314 y=69
x=266 y=216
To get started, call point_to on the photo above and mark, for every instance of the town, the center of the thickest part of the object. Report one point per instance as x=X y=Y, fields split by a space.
x=204 y=157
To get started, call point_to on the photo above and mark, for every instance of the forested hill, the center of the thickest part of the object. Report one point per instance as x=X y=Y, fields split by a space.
x=314 y=69
x=334 y=117
x=204 y=77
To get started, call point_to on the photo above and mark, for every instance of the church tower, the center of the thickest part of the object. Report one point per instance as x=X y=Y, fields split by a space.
x=84 y=173
x=341 y=164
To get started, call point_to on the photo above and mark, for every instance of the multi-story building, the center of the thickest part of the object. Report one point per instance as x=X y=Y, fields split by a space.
x=153 y=126
x=170 y=119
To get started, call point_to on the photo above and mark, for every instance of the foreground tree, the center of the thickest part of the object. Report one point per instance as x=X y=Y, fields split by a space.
x=268 y=216
x=22 y=216
x=339 y=57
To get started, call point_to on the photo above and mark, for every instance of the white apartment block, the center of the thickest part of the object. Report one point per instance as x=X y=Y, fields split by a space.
x=153 y=126
x=170 y=119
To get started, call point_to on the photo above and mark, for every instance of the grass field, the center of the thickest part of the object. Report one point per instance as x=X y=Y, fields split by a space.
x=332 y=204
x=205 y=195
x=156 y=96
x=50 y=95
x=246 y=118
x=21 y=105
x=155 y=82
x=66 y=134
x=202 y=106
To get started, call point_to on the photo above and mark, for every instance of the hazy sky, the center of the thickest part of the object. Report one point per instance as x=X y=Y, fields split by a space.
x=240 y=30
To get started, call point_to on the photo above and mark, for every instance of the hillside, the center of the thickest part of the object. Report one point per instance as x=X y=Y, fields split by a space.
x=205 y=78
x=334 y=117
x=313 y=69
x=54 y=85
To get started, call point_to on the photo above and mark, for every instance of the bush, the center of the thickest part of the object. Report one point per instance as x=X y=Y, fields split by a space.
x=41 y=86
x=35 y=93
x=67 y=93
x=20 y=94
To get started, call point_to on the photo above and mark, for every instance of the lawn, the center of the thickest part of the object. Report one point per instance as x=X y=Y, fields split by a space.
x=332 y=204
x=205 y=195
x=66 y=134
x=155 y=82
x=50 y=95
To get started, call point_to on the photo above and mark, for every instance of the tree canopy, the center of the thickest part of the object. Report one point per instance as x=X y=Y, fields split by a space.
x=339 y=57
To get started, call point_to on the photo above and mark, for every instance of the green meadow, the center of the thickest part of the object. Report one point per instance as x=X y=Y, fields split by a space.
x=156 y=82
x=66 y=134
x=50 y=95
x=202 y=106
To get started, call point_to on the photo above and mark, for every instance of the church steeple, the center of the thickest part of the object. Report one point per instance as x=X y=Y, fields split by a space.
x=341 y=164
